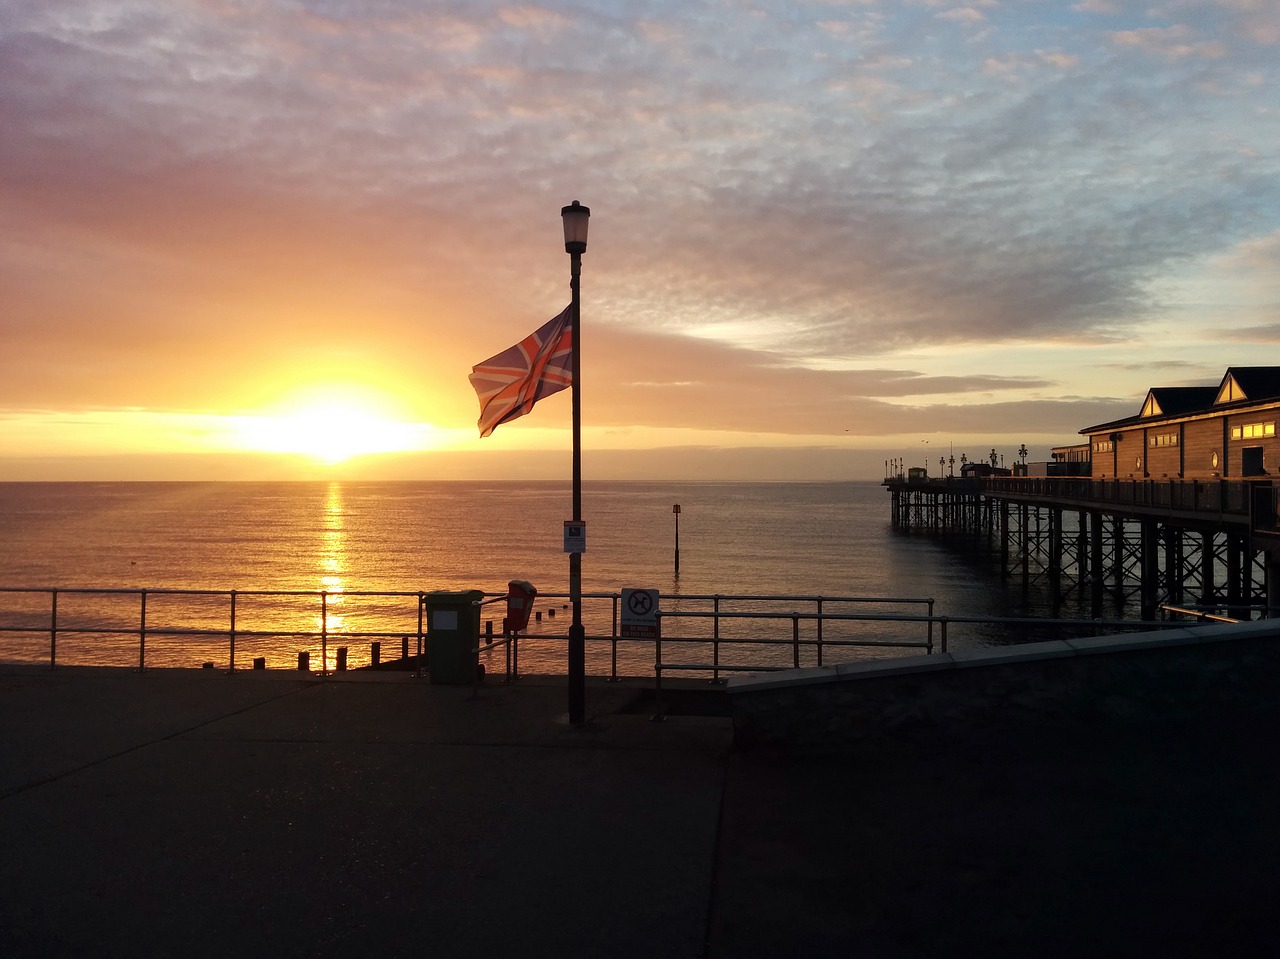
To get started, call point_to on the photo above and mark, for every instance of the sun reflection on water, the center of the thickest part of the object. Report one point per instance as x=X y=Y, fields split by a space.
x=333 y=560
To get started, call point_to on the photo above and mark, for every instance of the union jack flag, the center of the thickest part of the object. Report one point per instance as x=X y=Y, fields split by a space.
x=510 y=383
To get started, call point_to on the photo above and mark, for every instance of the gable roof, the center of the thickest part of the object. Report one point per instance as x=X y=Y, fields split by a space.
x=1240 y=385
x=1176 y=400
x=1251 y=383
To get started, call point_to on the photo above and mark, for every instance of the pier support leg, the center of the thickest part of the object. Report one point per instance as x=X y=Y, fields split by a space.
x=1004 y=539
x=1235 y=557
x=1150 y=581
x=1173 y=564
x=1208 y=595
x=1024 y=544
x=1097 y=571
x=1055 y=560
x=1117 y=557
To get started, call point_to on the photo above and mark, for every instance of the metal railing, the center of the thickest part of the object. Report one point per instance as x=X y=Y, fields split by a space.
x=1229 y=497
x=1094 y=627
x=228 y=620
x=100 y=624
x=745 y=625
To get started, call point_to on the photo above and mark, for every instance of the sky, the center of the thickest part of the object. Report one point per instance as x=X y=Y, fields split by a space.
x=270 y=238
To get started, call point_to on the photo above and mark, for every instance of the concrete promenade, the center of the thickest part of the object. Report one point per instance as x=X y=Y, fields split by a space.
x=191 y=813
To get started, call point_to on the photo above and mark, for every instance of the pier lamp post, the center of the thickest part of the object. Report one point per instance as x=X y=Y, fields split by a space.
x=1022 y=453
x=575 y=217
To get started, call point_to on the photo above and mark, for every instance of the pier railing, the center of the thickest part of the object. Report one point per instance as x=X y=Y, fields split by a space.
x=1222 y=497
x=1217 y=496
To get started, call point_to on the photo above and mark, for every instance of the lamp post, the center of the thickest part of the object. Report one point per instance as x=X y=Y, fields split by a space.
x=575 y=217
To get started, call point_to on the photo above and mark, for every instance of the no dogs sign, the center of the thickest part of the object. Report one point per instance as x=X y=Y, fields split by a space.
x=638 y=617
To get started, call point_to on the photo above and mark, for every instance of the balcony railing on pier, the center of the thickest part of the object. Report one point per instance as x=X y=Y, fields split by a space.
x=1223 y=497
x=1219 y=496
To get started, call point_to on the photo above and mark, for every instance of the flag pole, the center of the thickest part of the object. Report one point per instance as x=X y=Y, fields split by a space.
x=575 y=244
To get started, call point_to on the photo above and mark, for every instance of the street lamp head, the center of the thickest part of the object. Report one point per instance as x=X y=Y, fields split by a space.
x=575 y=217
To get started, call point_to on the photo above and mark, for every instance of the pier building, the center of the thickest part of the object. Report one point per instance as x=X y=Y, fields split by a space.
x=1174 y=506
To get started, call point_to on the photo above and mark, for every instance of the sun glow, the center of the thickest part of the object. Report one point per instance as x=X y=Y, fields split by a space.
x=332 y=431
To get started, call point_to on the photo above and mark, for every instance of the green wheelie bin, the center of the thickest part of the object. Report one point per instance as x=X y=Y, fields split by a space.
x=453 y=635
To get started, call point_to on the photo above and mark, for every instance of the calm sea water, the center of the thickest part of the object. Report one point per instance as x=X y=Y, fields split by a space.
x=796 y=539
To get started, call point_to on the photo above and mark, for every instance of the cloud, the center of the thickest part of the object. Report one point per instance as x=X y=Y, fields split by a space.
x=204 y=200
x=1172 y=43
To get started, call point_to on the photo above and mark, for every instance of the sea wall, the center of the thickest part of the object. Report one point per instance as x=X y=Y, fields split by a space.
x=1171 y=675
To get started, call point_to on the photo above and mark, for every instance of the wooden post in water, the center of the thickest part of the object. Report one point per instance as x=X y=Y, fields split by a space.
x=676 y=510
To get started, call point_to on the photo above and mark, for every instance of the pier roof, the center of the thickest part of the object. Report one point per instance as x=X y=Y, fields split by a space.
x=1252 y=384
x=1240 y=388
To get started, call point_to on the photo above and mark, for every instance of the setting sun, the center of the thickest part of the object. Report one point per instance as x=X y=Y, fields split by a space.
x=333 y=430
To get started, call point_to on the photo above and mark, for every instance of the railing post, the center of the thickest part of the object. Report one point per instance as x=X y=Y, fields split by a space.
x=53 y=629
x=613 y=632
x=930 y=636
x=715 y=638
x=232 y=667
x=417 y=672
x=657 y=672
x=142 y=635
x=795 y=639
x=819 y=631
x=324 y=632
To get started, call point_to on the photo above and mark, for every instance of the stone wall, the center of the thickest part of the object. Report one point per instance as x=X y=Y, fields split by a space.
x=1148 y=678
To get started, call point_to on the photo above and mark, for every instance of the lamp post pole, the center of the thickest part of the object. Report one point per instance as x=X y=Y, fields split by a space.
x=575 y=218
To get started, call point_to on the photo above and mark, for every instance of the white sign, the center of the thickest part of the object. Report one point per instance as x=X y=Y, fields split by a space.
x=575 y=536
x=638 y=617
x=444 y=619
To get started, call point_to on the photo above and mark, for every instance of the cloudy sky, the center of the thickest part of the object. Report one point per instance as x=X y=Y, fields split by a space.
x=248 y=238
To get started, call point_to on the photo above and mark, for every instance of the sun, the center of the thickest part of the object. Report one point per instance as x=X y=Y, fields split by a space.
x=334 y=429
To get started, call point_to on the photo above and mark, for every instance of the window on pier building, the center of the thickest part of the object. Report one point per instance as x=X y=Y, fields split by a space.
x=1103 y=446
x=1162 y=439
x=1252 y=431
x=1230 y=391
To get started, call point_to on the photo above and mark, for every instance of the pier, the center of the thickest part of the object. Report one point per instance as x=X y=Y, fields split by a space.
x=1210 y=544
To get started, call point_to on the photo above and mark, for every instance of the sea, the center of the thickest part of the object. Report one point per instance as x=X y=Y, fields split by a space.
x=335 y=543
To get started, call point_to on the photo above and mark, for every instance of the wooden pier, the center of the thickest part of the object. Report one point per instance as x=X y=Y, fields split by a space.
x=1211 y=544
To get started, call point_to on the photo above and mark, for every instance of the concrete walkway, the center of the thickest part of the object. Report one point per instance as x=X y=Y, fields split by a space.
x=190 y=813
